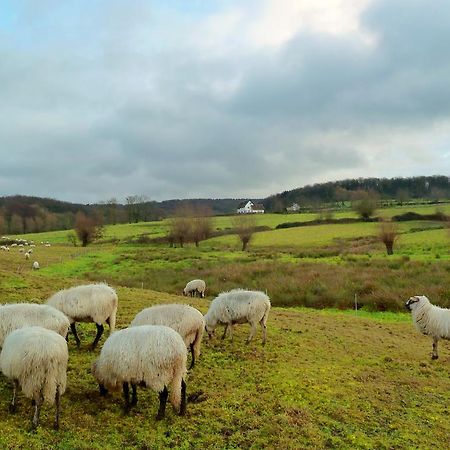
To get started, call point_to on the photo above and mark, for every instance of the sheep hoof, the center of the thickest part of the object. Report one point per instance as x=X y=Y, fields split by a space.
x=56 y=426
x=160 y=417
x=434 y=356
x=12 y=408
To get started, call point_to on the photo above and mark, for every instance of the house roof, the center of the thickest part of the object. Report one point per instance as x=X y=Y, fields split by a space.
x=258 y=206
x=242 y=204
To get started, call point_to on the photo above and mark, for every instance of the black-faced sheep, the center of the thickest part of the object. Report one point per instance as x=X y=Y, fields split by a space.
x=239 y=306
x=184 y=319
x=150 y=355
x=35 y=359
x=195 y=286
x=87 y=303
x=430 y=320
x=18 y=315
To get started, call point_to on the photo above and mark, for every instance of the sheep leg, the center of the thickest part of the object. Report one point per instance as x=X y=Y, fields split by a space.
x=191 y=346
x=231 y=328
x=133 y=395
x=102 y=389
x=183 y=398
x=162 y=403
x=434 y=354
x=37 y=411
x=264 y=331
x=75 y=335
x=100 y=329
x=252 y=332
x=126 y=396
x=225 y=332
x=13 y=404
x=58 y=408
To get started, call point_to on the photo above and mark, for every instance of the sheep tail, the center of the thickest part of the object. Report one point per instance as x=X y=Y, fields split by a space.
x=112 y=320
x=175 y=388
x=266 y=314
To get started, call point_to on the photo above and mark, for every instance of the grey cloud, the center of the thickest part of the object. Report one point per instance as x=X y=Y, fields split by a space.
x=115 y=110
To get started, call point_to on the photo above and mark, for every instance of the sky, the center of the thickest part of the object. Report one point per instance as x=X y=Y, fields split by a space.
x=102 y=99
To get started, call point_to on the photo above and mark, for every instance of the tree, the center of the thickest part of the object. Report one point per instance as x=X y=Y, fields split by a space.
x=201 y=224
x=402 y=195
x=364 y=204
x=2 y=225
x=132 y=208
x=72 y=238
x=16 y=224
x=244 y=225
x=88 y=229
x=388 y=234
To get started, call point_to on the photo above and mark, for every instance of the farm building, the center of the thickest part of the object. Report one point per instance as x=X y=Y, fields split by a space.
x=295 y=207
x=249 y=207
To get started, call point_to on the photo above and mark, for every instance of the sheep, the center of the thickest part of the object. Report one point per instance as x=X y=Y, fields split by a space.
x=184 y=319
x=27 y=255
x=35 y=266
x=238 y=306
x=430 y=320
x=87 y=303
x=18 y=315
x=194 y=286
x=35 y=359
x=151 y=355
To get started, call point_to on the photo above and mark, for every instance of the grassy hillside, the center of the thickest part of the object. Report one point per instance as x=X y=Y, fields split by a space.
x=324 y=380
x=327 y=378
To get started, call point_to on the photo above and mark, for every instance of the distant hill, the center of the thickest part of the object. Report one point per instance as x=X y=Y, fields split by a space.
x=22 y=214
x=432 y=188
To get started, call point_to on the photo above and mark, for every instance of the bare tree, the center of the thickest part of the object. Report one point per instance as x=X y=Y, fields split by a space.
x=244 y=226
x=402 y=195
x=132 y=205
x=88 y=229
x=180 y=226
x=364 y=204
x=201 y=225
x=388 y=234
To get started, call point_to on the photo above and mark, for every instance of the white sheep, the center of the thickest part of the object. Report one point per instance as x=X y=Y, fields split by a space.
x=239 y=306
x=195 y=286
x=35 y=359
x=430 y=320
x=35 y=266
x=152 y=355
x=87 y=303
x=18 y=315
x=27 y=255
x=184 y=319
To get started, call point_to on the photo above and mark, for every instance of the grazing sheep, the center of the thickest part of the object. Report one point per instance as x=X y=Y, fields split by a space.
x=430 y=320
x=27 y=255
x=35 y=359
x=87 y=303
x=238 y=306
x=194 y=287
x=35 y=266
x=184 y=319
x=18 y=315
x=152 y=355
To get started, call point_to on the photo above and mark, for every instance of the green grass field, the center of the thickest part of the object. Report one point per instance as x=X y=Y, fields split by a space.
x=329 y=377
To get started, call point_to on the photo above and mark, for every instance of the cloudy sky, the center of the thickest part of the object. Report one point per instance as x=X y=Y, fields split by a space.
x=219 y=98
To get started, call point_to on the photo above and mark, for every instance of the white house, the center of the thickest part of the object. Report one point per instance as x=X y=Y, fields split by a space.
x=249 y=207
x=295 y=207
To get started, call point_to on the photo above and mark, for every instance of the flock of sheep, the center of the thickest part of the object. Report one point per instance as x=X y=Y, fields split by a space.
x=24 y=246
x=151 y=352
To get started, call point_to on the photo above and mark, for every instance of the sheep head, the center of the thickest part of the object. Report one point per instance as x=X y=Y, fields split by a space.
x=414 y=301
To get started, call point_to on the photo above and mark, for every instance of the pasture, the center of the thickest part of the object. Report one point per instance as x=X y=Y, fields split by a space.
x=329 y=377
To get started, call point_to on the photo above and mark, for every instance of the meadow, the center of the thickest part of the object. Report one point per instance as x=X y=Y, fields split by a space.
x=329 y=376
